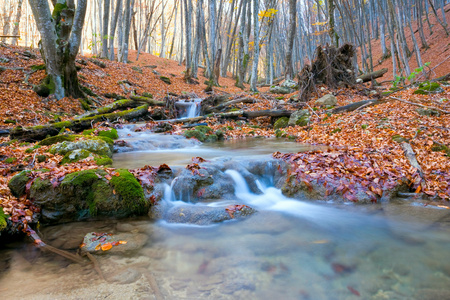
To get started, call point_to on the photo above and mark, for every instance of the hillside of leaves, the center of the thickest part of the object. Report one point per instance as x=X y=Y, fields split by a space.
x=364 y=151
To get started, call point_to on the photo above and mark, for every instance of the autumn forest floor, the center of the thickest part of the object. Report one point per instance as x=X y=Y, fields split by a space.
x=364 y=148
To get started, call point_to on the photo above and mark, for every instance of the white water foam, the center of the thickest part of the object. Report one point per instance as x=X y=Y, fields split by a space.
x=192 y=107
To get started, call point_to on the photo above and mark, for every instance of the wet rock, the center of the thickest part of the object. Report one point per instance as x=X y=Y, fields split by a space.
x=85 y=195
x=134 y=242
x=206 y=182
x=204 y=215
x=163 y=127
x=327 y=100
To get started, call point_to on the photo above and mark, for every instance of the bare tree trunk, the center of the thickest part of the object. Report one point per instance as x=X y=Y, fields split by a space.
x=188 y=24
x=105 y=38
x=254 y=75
x=17 y=22
x=289 y=74
x=112 y=27
x=60 y=57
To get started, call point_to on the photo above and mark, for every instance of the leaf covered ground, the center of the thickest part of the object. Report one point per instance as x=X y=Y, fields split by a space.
x=364 y=152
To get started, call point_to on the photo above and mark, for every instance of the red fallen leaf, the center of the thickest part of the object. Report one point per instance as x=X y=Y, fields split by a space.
x=106 y=247
x=353 y=291
x=164 y=167
x=231 y=209
x=340 y=268
x=201 y=192
x=198 y=159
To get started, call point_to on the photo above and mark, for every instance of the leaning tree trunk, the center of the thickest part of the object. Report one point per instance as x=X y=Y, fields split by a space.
x=61 y=37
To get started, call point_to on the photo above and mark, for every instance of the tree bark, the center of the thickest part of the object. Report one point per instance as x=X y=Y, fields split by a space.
x=372 y=75
x=289 y=74
x=61 y=38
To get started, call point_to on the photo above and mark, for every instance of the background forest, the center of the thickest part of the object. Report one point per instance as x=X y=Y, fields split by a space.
x=207 y=33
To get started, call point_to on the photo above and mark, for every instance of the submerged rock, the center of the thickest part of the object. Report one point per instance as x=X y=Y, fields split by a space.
x=205 y=215
x=121 y=242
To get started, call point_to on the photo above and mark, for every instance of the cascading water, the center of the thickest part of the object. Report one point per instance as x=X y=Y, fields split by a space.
x=190 y=108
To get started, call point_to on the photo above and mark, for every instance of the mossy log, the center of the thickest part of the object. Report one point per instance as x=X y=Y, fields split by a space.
x=356 y=105
x=149 y=101
x=229 y=103
x=240 y=114
x=369 y=76
x=37 y=133
x=117 y=105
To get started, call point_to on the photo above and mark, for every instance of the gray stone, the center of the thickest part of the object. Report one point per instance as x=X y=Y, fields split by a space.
x=327 y=100
x=204 y=215
x=280 y=90
x=97 y=146
x=125 y=276
x=291 y=84
x=300 y=117
x=134 y=242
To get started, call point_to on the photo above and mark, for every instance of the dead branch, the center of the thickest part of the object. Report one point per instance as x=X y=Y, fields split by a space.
x=411 y=156
x=421 y=105
x=369 y=76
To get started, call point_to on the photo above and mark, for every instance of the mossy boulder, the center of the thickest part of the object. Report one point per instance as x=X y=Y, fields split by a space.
x=300 y=118
x=428 y=87
x=165 y=79
x=281 y=123
x=3 y=222
x=280 y=90
x=112 y=133
x=97 y=146
x=18 y=183
x=89 y=194
x=204 y=134
x=428 y=112
x=57 y=139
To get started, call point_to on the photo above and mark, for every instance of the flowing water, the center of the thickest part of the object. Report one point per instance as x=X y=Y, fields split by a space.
x=289 y=249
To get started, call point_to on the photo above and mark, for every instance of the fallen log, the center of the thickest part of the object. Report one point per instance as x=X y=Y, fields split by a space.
x=356 y=105
x=117 y=105
x=37 y=133
x=237 y=114
x=369 y=76
x=442 y=78
x=229 y=103
x=149 y=101
x=421 y=105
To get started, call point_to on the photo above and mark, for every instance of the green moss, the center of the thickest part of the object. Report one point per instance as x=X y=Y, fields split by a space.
x=88 y=91
x=196 y=134
x=57 y=10
x=103 y=161
x=41 y=158
x=88 y=131
x=3 y=218
x=281 y=123
x=75 y=156
x=57 y=139
x=83 y=178
x=66 y=124
x=399 y=139
x=428 y=87
x=40 y=185
x=10 y=160
x=9 y=121
x=31 y=149
x=147 y=95
x=84 y=104
x=220 y=135
x=441 y=148
x=204 y=129
x=280 y=133
x=165 y=79
x=115 y=115
x=38 y=67
x=112 y=133
x=127 y=186
x=303 y=121
x=18 y=182
x=336 y=130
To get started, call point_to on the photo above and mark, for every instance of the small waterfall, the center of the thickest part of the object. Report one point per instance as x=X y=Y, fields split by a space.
x=241 y=186
x=190 y=108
